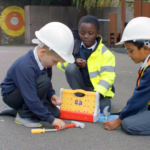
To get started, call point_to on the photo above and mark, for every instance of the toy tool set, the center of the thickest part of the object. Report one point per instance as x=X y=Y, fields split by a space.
x=85 y=108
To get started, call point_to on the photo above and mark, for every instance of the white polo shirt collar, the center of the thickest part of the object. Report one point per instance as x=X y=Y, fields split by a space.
x=92 y=47
x=37 y=59
x=145 y=62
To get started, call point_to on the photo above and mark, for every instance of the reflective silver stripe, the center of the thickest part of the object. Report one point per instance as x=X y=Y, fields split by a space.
x=107 y=68
x=104 y=84
x=62 y=66
x=94 y=74
x=104 y=49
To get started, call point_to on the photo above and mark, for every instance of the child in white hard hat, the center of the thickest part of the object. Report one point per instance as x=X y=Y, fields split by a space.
x=135 y=116
x=27 y=87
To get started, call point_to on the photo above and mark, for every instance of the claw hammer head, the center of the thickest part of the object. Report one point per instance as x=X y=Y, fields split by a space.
x=78 y=124
x=106 y=113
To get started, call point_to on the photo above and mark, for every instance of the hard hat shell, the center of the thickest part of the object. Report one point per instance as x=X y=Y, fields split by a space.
x=137 y=29
x=57 y=37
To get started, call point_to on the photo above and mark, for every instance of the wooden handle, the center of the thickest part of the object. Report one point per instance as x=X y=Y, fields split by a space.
x=66 y=126
x=33 y=131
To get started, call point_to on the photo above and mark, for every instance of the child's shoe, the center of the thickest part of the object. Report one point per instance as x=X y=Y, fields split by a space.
x=6 y=110
x=28 y=122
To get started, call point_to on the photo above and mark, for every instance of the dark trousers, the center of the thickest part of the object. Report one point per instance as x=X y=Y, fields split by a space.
x=16 y=101
x=75 y=80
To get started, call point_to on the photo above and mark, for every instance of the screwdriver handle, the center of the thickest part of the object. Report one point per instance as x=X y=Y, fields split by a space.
x=67 y=126
x=37 y=131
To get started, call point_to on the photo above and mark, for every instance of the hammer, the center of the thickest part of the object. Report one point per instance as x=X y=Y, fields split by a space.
x=106 y=113
x=74 y=124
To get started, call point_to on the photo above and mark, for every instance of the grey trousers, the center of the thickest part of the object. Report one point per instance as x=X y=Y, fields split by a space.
x=138 y=124
x=16 y=101
x=75 y=80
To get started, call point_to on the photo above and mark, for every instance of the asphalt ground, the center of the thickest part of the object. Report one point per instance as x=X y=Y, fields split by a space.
x=93 y=136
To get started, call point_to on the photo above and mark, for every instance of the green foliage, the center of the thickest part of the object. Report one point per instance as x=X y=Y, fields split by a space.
x=94 y=3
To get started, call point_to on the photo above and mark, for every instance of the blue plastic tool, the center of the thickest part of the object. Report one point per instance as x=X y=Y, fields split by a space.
x=110 y=117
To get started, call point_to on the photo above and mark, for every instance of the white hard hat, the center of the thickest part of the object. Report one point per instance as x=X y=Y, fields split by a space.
x=57 y=37
x=137 y=29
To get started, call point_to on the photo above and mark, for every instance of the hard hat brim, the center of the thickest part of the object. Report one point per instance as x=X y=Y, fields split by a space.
x=120 y=43
x=35 y=41
x=69 y=59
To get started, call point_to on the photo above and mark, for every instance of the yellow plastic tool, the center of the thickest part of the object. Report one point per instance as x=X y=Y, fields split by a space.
x=33 y=131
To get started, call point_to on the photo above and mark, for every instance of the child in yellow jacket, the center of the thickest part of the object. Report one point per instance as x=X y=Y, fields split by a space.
x=94 y=67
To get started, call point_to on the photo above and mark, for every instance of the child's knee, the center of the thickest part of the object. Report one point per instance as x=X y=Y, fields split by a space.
x=43 y=79
x=71 y=69
x=127 y=126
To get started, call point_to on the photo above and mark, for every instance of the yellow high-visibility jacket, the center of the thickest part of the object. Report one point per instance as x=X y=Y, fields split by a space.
x=101 y=68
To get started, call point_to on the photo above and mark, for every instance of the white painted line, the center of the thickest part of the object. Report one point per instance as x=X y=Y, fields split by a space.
x=103 y=19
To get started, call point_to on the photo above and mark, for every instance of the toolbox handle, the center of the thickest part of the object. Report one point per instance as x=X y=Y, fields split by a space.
x=79 y=91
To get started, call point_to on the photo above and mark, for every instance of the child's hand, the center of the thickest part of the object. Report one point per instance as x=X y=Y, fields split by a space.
x=55 y=99
x=59 y=123
x=80 y=62
x=112 y=124
x=120 y=110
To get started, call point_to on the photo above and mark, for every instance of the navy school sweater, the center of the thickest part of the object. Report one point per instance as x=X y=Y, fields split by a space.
x=140 y=97
x=22 y=75
x=85 y=53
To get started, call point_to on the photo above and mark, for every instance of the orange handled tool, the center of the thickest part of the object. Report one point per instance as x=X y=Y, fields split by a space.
x=74 y=124
x=67 y=126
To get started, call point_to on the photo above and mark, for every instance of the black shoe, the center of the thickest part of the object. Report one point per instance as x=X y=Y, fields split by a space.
x=6 y=110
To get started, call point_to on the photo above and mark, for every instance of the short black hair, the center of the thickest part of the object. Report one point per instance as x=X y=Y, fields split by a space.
x=138 y=44
x=89 y=19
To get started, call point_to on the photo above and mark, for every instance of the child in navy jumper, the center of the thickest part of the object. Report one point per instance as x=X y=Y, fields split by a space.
x=27 y=87
x=135 y=116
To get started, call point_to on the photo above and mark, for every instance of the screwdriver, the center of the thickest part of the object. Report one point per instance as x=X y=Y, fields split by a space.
x=46 y=130
x=41 y=130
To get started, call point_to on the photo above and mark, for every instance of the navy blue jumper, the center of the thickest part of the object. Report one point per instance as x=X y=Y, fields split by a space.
x=22 y=75
x=140 y=98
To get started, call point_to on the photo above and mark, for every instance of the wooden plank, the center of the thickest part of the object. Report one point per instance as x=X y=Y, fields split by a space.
x=145 y=9
x=149 y=9
x=137 y=8
x=140 y=7
x=112 y=28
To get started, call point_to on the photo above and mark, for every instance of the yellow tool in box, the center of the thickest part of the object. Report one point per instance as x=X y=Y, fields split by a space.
x=83 y=108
